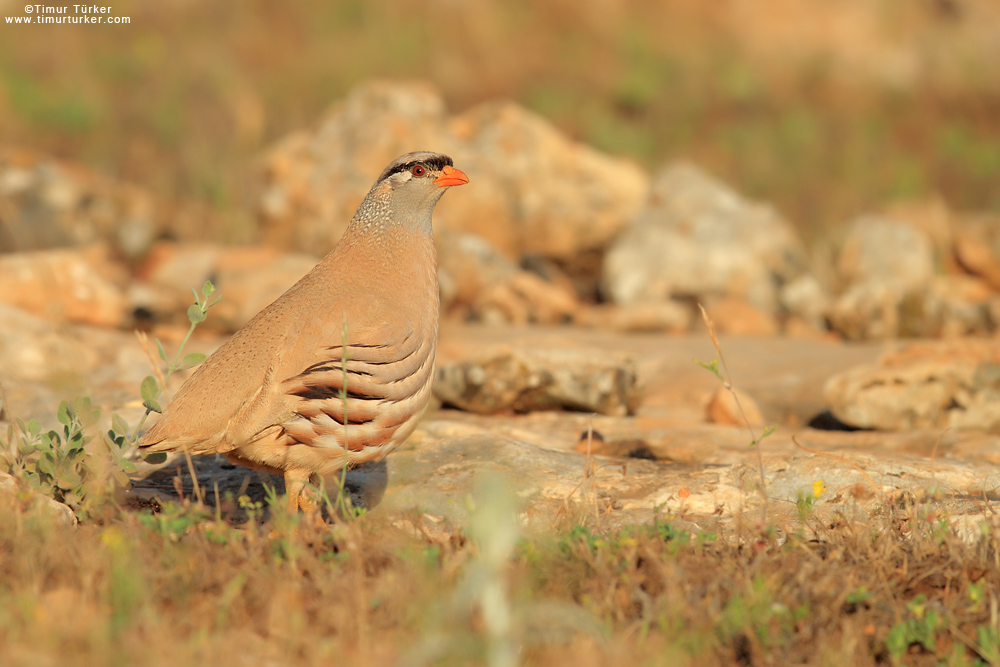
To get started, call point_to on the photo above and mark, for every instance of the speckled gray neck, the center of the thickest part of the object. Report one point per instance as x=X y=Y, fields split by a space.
x=384 y=210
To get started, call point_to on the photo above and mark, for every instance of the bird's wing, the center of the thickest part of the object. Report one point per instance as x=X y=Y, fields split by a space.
x=228 y=390
x=371 y=388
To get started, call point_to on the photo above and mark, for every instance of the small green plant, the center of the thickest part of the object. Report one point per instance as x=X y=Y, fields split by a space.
x=65 y=465
x=858 y=596
x=55 y=464
x=920 y=628
x=174 y=519
x=977 y=596
x=253 y=508
x=720 y=370
x=806 y=502
x=152 y=387
x=988 y=643
x=580 y=535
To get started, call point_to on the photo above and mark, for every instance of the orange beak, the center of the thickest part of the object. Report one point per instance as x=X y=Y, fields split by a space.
x=451 y=177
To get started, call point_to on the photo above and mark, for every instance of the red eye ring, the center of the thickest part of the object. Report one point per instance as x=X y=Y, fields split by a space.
x=417 y=170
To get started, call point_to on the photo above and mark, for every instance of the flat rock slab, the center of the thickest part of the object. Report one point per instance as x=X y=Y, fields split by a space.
x=667 y=457
x=432 y=480
x=521 y=380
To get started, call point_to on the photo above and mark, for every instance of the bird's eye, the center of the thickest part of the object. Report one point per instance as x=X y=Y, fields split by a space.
x=417 y=171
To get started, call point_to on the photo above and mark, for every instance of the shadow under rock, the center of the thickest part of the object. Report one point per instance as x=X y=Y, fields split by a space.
x=222 y=483
x=826 y=421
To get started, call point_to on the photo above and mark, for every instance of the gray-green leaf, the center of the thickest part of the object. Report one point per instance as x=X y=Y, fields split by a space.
x=195 y=314
x=149 y=390
x=63 y=414
x=156 y=459
x=192 y=359
x=119 y=425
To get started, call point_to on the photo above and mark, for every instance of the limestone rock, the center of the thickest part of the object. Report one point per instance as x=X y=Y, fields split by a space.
x=805 y=297
x=953 y=384
x=427 y=482
x=48 y=203
x=313 y=181
x=64 y=285
x=868 y=311
x=736 y=317
x=520 y=380
x=526 y=298
x=635 y=317
x=562 y=198
x=479 y=283
x=958 y=305
x=977 y=249
x=723 y=409
x=948 y=306
x=697 y=238
x=12 y=491
x=42 y=363
x=886 y=267
x=887 y=252
x=535 y=190
x=468 y=264
x=247 y=279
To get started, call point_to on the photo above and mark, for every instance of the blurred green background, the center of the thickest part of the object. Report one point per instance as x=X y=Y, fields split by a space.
x=824 y=108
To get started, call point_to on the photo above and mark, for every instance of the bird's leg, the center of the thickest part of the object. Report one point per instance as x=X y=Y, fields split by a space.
x=317 y=483
x=295 y=484
x=308 y=505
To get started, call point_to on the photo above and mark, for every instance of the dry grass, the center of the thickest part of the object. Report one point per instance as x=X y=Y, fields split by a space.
x=183 y=586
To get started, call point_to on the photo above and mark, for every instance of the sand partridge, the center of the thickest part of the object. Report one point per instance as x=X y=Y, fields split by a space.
x=273 y=397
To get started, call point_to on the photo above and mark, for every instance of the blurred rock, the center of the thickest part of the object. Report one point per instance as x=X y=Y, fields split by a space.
x=697 y=238
x=735 y=317
x=796 y=327
x=887 y=266
x=65 y=285
x=887 y=252
x=561 y=198
x=313 y=180
x=930 y=218
x=250 y=279
x=20 y=493
x=977 y=249
x=722 y=408
x=868 y=311
x=953 y=384
x=535 y=190
x=34 y=350
x=247 y=279
x=641 y=316
x=526 y=298
x=42 y=363
x=955 y=305
x=807 y=300
x=48 y=203
x=468 y=264
x=479 y=283
x=506 y=379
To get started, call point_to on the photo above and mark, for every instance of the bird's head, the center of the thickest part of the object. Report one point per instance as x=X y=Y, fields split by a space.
x=416 y=181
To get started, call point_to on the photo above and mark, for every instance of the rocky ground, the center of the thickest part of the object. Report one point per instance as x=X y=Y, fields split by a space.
x=569 y=287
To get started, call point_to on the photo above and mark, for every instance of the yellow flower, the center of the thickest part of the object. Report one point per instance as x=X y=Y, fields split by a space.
x=818 y=488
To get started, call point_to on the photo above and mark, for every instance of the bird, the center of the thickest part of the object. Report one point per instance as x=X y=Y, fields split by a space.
x=341 y=365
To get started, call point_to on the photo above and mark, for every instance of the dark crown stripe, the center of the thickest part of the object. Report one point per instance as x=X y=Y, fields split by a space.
x=432 y=162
